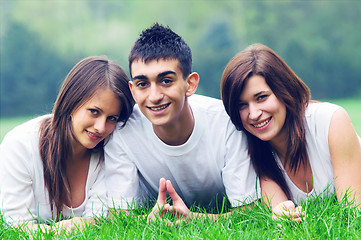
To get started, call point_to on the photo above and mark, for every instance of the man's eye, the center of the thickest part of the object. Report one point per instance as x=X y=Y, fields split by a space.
x=141 y=84
x=166 y=81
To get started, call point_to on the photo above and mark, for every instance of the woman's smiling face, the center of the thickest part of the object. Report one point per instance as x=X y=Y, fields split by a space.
x=262 y=114
x=96 y=118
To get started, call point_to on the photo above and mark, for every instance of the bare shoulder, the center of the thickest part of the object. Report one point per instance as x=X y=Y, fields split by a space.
x=341 y=126
x=343 y=140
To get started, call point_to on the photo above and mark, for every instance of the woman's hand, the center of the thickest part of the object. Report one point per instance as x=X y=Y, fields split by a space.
x=68 y=225
x=288 y=210
x=33 y=227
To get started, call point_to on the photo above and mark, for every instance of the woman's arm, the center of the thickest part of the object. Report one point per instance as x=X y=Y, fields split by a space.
x=345 y=152
x=272 y=193
x=273 y=196
x=16 y=180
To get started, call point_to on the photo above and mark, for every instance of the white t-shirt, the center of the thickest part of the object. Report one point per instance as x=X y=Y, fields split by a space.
x=318 y=118
x=24 y=196
x=214 y=161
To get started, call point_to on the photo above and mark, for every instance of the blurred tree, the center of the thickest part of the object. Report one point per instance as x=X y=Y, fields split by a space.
x=30 y=75
x=316 y=38
x=40 y=39
x=212 y=53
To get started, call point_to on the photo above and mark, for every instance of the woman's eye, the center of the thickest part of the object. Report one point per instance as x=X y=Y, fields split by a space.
x=241 y=106
x=262 y=97
x=113 y=119
x=94 y=111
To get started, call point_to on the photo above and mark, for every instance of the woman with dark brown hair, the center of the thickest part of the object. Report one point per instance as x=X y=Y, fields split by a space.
x=52 y=166
x=298 y=148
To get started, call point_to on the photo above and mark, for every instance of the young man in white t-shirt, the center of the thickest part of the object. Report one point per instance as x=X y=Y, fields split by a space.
x=174 y=142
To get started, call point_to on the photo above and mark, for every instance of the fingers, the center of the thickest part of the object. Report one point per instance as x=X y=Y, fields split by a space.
x=284 y=207
x=165 y=209
x=298 y=214
x=287 y=205
x=161 y=207
x=179 y=208
x=172 y=193
x=286 y=210
x=162 y=192
x=158 y=212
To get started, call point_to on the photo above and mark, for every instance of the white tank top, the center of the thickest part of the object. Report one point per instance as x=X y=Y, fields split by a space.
x=318 y=118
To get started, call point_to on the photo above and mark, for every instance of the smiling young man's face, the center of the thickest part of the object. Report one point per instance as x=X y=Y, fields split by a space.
x=160 y=90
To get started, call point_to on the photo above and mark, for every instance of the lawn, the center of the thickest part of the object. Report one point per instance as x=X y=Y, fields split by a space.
x=325 y=219
x=6 y=124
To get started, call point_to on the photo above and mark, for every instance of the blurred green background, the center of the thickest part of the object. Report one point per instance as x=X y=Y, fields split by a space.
x=42 y=39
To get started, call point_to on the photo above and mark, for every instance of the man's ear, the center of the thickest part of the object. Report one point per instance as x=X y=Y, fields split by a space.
x=192 y=83
x=131 y=87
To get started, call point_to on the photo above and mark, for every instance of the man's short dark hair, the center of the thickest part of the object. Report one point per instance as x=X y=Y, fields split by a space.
x=159 y=42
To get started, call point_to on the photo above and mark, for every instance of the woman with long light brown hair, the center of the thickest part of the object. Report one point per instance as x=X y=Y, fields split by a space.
x=299 y=148
x=52 y=166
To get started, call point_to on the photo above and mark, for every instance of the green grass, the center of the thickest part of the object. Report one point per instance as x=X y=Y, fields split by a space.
x=6 y=124
x=324 y=219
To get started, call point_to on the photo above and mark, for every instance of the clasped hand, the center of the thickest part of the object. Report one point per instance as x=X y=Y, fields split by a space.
x=178 y=208
x=288 y=210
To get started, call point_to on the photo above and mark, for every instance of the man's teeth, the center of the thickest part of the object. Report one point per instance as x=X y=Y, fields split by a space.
x=159 y=108
x=262 y=123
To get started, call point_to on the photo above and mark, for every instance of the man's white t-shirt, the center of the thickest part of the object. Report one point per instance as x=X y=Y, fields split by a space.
x=213 y=163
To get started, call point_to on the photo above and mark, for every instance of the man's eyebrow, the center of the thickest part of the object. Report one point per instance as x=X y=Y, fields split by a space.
x=160 y=75
x=140 y=77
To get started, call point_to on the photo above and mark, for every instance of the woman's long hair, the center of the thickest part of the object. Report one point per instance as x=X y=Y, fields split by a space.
x=56 y=136
x=260 y=60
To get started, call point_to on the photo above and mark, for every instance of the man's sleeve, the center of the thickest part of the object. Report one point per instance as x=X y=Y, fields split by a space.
x=121 y=176
x=97 y=198
x=239 y=176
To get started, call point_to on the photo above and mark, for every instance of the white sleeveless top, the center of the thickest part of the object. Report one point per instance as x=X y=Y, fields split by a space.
x=318 y=118
x=23 y=192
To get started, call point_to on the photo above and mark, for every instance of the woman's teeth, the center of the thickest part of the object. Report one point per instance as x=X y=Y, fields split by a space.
x=262 y=123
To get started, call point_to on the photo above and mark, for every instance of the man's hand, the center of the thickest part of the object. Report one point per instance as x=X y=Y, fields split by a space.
x=179 y=208
x=161 y=207
x=288 y=210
